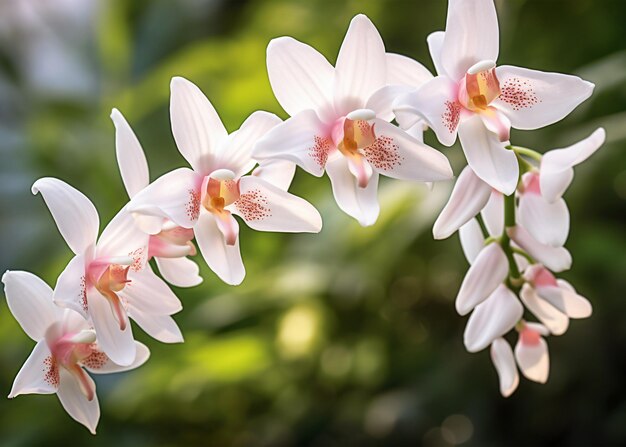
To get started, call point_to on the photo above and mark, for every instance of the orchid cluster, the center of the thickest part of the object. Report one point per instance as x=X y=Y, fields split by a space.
x=506 y=204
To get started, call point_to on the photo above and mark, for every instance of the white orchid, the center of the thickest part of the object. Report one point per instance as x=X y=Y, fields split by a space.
x=340 y=117
x=67 y=345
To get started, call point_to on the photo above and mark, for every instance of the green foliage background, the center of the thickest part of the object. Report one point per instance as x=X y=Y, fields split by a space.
x=344 y=338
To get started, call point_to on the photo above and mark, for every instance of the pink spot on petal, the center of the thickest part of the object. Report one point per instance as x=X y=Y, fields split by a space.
x=519 y=94
x=137 y=257
x=96 y=360
x=51 y=371
x=530 y=337
x=192 y=207
x=253 y=205
x=319 y=152
x=83 y=294
x=383 y=154
x=451 y=116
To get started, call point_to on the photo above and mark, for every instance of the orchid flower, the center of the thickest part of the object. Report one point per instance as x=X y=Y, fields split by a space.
x=169 y=244
x=108 y=280
x=340 y=117
x=205 y=197
x=481 y=102
x=67 y=345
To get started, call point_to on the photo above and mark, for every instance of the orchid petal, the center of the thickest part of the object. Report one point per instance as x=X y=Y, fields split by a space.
x=488 y=157
x=493 y=213
x=492 y=318
x=383 y=99
x=181 y=272
x=532 y=99
x=547 y=222
x=556 y=259
x=265 y=207
x=74 y=214
x=469 y=195
x=402 y=70
x=565 y=298
x=533 y=360
x=489 y=270
x=150 y=294
x=504 y=362
x=70 y=289
x=87 y=412
x=197 y=128
x=361 y=66
x=160 y=327
x=435 y=43
x=550 y=316
x=130 y=156
x=122 y=237
x=279 y=173
x=99 y=363
x=472 y=240
x=38 y=375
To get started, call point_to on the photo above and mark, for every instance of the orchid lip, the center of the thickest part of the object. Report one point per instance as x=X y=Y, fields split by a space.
x=86 y=336
x=481 y=66
x=361 y=114
x=222 y=174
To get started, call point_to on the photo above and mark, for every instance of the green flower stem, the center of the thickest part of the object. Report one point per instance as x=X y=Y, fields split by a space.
x=483 y=227
x=505 y=241
x=525 y=151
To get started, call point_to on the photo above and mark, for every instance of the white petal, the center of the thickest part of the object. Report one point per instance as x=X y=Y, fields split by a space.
x=181 y=272
x=302 y=139
x=436 y=103
x=122 y=237
x=492 y=318
x=556 y=259
x=130 y=156
x=435 y=42
x=488 y=157
x=550 y=316
x=504 y=362
x=235 y=152
x=150 y=294
x=76 y=404
x=533 y=360
x=547 y=222
x=469 y=195
x=472 y=240
x=361 y=66
x=565 y=298
x=197 y=128
x=489 y=270
x=556 y=173
x=99 y=363
x=402 y=70
x=533 y=99
x=118 y=345
x=160 y=327
x=398 y=155
x=493 y=214
x=360 y=203
x=38 y=375
x=224 y=260
x=265 y=207
x=74 y=214
x=70 y=289
x=300 y=76
x=30 y=301
x=382 y=101
x=277 y=172
x=175 y=195
x=471 y=35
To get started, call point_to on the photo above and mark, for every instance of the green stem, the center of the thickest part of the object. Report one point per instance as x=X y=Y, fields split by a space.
x=483 y=227
x=524 y=254
x=505 y=241
x=525 y=151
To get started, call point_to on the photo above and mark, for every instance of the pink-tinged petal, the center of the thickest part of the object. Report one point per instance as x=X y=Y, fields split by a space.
x=122 y=237
x=361 y=66
x=492 y=318
x=197 y=128
x=496 y=122
x=504 y=362
x=357 y=202
x=175 y=195
x=235 y=152
x=469 y=195
x=130 y=156
x=565 y=298
x=382 y=101
x=224 y=260
x=547 y=222
x=556 y=259
x=39 y=374
x=74 y=214
x=99 y=363
x=493 y=214
x=73 y=322
x=70 y=290
x=30 y=301
x=117 y=344
x=550 y=316
x=471 y=35
x=300 y=76
x=533 y=360
x=228 y=226
x=436 y=103
x=302 y=139
x=556 y=173
x=532 y=99
x=488 y=157
x=396 y=154
x=181 y=272
x=489 y=270
x=150 y=294
x=149 y=224
x=82 y=410
x=472 y=240
x=160 y=327
x=265 y=207
x=277 y=172
x=404 y=71
x=435 y=43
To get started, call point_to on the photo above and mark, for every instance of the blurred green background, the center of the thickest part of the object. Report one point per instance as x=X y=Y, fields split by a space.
x=348 y=338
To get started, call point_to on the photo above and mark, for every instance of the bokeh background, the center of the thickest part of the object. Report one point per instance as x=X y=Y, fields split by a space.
x=348 y=338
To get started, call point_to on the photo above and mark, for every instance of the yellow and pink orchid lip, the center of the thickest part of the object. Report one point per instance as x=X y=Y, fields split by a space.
x=219 y=190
